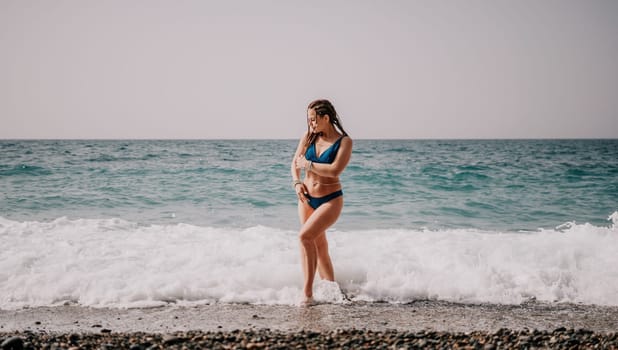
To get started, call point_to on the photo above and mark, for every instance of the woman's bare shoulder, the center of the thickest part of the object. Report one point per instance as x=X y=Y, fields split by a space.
x=346 y=140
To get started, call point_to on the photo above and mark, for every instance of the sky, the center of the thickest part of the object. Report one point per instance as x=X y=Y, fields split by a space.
x=182 y=69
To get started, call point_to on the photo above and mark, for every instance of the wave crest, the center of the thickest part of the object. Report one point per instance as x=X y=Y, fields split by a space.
x=117 y=263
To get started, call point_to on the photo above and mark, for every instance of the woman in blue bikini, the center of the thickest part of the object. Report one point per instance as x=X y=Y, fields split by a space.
x=323 y=152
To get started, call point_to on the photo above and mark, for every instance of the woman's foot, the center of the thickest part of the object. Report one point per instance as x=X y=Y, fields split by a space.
x=307 y=302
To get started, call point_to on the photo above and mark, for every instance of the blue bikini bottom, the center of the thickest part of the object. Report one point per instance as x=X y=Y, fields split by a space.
x=315 y=202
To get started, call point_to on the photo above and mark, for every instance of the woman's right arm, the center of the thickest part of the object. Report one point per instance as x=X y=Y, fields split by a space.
x=299 y=187
x=299 y=149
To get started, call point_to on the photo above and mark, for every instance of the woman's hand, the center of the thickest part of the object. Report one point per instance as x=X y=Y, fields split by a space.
x=301 y=162
x=301 y=192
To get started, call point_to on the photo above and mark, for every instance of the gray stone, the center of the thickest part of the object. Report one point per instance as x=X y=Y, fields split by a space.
x=13 y=343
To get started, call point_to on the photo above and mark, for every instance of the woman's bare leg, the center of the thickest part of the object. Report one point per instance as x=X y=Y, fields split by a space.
x=317 y=223
x=304 y=211
x=325 y=265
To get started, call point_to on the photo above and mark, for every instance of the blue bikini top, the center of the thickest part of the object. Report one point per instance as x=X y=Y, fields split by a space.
x=328 y=156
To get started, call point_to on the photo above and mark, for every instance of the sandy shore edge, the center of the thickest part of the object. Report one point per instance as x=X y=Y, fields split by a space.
x=418 y=316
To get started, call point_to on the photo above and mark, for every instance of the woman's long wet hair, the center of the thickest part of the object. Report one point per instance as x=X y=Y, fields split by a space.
x=322 y=108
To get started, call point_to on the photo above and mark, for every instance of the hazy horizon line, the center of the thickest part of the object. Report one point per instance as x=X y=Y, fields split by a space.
x=293 y=139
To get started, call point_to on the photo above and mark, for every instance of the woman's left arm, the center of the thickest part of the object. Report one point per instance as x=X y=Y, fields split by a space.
x=341 y=161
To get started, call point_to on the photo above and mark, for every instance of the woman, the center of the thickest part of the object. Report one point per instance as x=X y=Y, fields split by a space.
x=323 y=152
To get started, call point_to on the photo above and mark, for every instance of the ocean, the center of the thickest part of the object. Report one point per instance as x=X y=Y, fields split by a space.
x=119 y=223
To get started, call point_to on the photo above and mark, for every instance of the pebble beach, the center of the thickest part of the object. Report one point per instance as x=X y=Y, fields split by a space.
x=338 y=339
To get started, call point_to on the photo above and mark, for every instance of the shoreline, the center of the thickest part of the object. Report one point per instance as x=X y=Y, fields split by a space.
x=435 y=316
x=422 y=324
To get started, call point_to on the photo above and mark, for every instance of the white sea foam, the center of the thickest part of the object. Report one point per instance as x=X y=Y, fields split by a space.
x=115 y=263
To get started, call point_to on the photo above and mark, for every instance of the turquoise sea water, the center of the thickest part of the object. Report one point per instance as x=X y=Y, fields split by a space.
x=484 y=184
x=148 y=223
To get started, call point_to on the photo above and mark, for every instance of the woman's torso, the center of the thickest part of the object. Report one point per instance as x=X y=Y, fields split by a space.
x=322 y=152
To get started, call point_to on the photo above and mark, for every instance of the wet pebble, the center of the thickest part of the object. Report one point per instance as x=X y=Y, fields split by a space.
x=12 y=343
